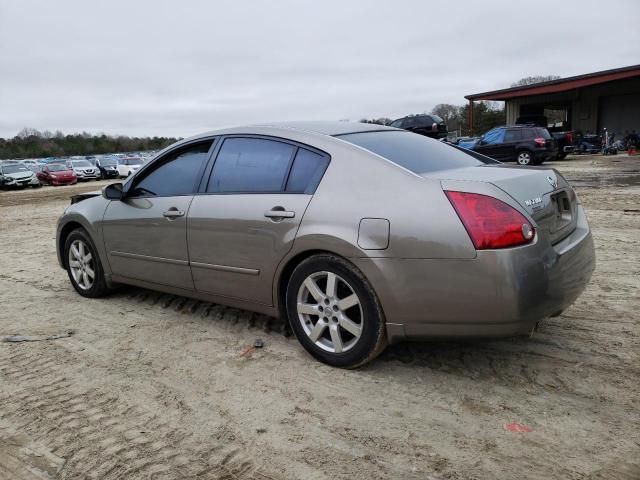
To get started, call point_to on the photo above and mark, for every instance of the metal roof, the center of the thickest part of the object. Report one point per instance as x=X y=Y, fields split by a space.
x=560 y=85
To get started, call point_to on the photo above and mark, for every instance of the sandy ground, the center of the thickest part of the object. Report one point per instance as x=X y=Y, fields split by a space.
x=153 y=386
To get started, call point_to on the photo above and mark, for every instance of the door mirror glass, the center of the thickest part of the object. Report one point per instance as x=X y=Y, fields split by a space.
x=113 y=191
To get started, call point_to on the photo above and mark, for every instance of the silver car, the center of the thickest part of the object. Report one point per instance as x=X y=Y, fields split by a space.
x=358 y=234
x=84 y=170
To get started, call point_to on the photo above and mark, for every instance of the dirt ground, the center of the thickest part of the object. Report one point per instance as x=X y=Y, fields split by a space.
x=154 y=386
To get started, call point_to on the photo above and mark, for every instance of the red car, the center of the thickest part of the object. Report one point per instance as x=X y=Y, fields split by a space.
x=56 y=174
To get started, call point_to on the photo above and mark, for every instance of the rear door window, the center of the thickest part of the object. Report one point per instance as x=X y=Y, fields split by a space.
x=513 y=135
x=251 y=165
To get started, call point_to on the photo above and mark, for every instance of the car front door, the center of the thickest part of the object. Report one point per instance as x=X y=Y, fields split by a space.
x=43 y=175
x=491 y=144
x=145 y=233
x=246 y=218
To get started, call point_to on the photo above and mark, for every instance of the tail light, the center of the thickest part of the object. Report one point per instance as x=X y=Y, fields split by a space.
x=570 y=138
x=434 y=127
x=540 y=142
x=490 y=222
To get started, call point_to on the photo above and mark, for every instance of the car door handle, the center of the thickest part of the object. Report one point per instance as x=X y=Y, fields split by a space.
x=279 y=212
x=173 y=213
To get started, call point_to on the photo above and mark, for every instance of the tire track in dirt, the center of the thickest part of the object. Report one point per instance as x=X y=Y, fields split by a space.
x=98 y=434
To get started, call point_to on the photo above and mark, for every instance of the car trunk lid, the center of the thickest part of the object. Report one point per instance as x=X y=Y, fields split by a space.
x=542 y=192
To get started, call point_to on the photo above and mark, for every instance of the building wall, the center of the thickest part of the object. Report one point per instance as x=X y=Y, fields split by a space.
x=584 y=104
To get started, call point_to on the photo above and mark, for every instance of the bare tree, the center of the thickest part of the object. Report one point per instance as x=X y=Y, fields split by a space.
x=446 y=111
x=534 y=79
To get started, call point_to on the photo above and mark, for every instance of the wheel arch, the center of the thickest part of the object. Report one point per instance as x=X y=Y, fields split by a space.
x=65 y=231
x=285 y=272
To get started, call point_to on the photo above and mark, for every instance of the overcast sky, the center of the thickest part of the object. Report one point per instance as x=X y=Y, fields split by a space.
x=182 y=67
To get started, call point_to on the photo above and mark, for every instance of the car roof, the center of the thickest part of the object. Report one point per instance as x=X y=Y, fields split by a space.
x=328 y=128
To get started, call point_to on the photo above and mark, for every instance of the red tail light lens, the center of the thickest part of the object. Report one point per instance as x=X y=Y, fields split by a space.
x=490 y=222
x=540 y=142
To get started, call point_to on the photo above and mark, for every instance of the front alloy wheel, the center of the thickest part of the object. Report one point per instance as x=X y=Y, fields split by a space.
x=83 y=265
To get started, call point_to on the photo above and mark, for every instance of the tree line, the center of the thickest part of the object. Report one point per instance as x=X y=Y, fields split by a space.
x=31 y=143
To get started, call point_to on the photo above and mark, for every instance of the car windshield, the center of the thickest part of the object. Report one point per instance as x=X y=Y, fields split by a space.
x=14 y=169
x=108 y=162
x=56 y=167
x=436 y=118
x=80 y=163
x=133 y=161
x=413 y=152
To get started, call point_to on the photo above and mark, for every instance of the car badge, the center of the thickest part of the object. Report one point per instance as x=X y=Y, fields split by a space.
x=552 y=181
x=533 y=202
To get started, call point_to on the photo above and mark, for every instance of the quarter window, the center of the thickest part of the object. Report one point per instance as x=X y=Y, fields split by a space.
x=251 y=165
x=176 y=174
x=306 y=172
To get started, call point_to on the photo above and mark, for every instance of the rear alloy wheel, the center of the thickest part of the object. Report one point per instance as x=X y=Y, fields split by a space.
x=334 y=312
x=83 y=265
x=524 y=158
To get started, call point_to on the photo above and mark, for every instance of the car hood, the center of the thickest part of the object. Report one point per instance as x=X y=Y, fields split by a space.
x=18 y=175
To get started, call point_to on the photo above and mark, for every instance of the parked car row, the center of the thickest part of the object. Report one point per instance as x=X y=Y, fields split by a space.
x=66 y=171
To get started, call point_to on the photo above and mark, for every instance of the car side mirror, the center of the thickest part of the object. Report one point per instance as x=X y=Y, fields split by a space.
x=113 y=191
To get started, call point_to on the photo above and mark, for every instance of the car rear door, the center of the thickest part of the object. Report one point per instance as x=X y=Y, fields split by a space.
x=512 y=138
x=247 y=215
x=145 y=233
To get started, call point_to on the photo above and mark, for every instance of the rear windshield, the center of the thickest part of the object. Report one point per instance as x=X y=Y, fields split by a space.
x=132 y=161
x=414 y=152
x=543 y=132
x=56 y=167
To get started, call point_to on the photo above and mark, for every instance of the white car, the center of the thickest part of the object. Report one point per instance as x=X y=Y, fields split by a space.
x=129 y=166
x=84 y=170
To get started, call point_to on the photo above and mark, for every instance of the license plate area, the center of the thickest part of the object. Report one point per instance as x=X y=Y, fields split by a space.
x=563 y=211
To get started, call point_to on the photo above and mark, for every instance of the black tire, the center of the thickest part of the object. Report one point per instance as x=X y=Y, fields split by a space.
x=99 y=286
x=36 y=186
x=372 y=340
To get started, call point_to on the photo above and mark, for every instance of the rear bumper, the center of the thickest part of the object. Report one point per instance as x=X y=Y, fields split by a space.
x=499 y=293
x=544 y=155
